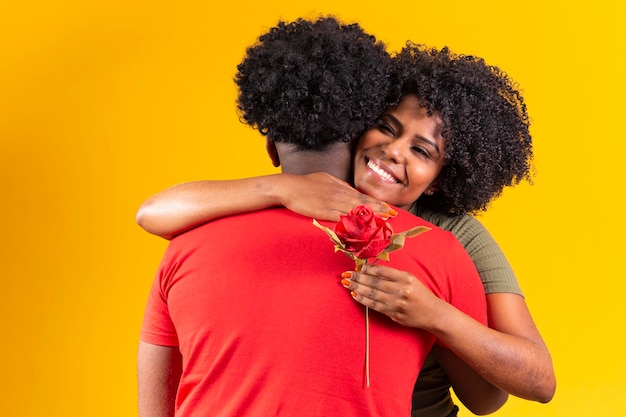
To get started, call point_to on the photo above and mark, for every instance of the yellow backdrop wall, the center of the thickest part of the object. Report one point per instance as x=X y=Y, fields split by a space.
x=103 y=103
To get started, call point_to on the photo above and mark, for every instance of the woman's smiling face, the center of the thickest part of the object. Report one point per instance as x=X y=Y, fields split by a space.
x=401 y=156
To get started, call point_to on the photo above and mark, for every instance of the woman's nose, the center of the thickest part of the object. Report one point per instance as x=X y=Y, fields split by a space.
x=394 y=150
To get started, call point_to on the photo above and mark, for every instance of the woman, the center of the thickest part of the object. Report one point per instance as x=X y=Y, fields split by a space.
x=487 y=147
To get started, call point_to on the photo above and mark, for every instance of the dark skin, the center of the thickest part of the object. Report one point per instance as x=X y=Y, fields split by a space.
x=472 y=124
x=510 y=351
x=160 y=368
x=398 y=295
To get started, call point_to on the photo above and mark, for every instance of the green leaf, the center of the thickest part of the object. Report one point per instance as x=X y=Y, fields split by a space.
x=331 y=233
x=398 y=240
x=359 y=263
x=347 y=252
x=384 y=255
x=416 y=231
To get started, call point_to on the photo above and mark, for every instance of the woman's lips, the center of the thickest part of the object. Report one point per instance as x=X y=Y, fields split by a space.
x=381 y=172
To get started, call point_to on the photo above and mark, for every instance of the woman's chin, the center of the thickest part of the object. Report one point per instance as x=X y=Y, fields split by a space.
x=375 y=193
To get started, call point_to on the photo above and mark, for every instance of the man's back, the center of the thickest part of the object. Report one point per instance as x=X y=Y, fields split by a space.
x=265 y=327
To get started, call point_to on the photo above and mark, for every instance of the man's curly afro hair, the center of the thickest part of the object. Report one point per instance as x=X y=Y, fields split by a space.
x=485 y=125
x=313 y=83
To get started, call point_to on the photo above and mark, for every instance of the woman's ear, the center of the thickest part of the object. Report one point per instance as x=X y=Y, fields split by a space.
x=270 y=147
x=433 y=187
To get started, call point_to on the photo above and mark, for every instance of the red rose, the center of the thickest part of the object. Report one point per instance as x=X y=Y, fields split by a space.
x=364 y=233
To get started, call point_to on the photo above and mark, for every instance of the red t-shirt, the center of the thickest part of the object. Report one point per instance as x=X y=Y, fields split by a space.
x=265 y=328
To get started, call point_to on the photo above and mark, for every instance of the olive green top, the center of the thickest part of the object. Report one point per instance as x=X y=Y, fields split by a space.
x=431 y=396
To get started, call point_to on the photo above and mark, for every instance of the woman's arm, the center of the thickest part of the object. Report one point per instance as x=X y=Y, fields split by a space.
x=511 y=355
x=508 y=312
x=478 y=395
x=185 y=206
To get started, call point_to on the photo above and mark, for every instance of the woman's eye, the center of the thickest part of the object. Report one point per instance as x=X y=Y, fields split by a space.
x=420 y=151
x=385 y=128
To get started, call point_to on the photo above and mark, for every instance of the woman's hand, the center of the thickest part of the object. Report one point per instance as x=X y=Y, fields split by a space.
x=323 y=196
x=394 y=293
x=490 y=353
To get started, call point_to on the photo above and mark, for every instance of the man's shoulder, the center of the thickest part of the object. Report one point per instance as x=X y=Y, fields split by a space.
x=406 y=220
x=435 y=241
x=274 y=220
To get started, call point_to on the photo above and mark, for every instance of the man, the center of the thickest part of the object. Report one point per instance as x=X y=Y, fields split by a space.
x=253 y=301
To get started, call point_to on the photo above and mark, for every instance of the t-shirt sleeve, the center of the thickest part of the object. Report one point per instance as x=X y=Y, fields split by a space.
x=493 y=267
x=157 y=327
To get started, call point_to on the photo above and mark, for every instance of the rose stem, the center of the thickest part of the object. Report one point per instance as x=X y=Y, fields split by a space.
x=367 y=348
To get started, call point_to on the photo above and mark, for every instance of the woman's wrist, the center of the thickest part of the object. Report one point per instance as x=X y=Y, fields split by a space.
x=440 y=314
x=276 y=188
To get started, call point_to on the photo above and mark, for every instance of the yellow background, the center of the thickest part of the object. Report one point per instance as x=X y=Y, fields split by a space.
x=103 y=103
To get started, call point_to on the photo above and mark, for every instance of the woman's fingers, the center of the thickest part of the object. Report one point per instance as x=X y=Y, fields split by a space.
x=362 y=282
x=387 y=290
x=368 y=296
x=343 y=197
x=370 y=290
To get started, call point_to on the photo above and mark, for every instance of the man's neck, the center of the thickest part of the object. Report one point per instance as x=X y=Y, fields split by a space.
x=335 y=160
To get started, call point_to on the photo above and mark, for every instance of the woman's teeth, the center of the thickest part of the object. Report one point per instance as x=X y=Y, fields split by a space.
x=381 y=172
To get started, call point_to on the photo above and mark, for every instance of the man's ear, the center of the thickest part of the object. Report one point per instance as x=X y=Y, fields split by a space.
x=270 y=147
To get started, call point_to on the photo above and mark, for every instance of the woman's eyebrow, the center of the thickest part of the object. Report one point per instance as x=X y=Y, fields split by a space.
x=429 y=141
x=392 y=117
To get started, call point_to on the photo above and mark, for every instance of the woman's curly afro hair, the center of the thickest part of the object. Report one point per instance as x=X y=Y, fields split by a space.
x=485 y=125
x=313 y=83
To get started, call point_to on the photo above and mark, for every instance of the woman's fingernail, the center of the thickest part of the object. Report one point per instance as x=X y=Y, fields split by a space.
x=385 y=205
x=353 y=294
x=392 y=212
x=345 y=282
x=346 y=274
x=384 y=215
